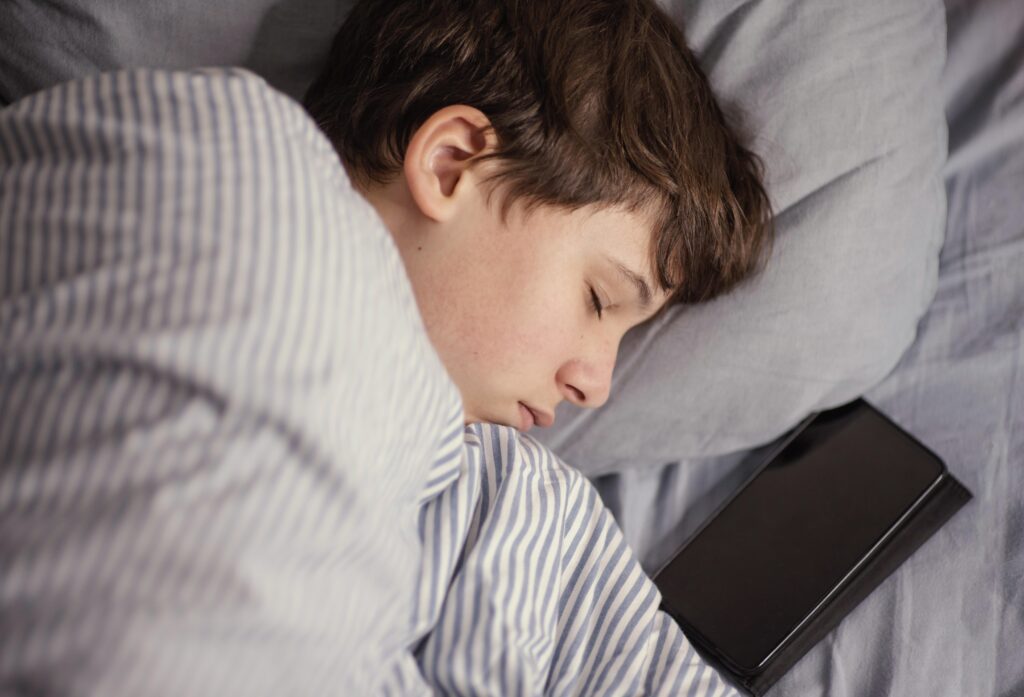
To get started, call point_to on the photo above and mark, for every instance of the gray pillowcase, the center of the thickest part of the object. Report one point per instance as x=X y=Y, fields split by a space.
x=844 y=103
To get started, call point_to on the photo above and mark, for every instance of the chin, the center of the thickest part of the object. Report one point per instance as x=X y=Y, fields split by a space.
x=473 y=418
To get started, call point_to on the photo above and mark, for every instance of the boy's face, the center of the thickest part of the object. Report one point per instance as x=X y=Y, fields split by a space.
x=509 y=305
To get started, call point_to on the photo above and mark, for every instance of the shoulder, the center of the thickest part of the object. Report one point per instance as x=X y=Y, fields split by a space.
x=212 y=132
x=208 y=232
x=206 y=179
x=509 y=452
x=508 y=458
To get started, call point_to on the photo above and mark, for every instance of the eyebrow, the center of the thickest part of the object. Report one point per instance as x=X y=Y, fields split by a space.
x=643 y=290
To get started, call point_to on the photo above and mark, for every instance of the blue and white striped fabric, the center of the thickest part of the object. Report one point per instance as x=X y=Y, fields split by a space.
x=529 y=587
x=230 y=460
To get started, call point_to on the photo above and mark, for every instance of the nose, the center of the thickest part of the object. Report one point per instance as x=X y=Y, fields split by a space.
x=586 y=380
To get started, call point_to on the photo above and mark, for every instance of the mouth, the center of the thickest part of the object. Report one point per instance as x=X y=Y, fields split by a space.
x=530 y=417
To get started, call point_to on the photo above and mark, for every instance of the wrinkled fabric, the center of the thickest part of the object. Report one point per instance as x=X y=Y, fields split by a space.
x=230 y=460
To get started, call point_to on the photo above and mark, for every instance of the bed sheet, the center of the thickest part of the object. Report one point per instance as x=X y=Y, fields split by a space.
x=951 y=620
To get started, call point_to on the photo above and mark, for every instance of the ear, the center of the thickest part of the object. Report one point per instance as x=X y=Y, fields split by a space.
x=438 y=161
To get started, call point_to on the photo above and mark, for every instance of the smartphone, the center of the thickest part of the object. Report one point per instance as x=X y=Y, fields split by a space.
x=830 y=496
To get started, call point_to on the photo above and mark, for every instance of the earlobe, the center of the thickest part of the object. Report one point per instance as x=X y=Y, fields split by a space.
x=439 y=159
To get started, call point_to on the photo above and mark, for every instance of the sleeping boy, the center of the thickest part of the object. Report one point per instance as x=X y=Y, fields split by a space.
x=263 y=400
x=553 y=174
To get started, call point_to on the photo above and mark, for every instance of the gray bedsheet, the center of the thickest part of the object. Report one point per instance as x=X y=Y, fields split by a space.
x=951 y=620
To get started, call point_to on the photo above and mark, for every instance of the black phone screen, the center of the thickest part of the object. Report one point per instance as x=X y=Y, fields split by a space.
x=776 y=551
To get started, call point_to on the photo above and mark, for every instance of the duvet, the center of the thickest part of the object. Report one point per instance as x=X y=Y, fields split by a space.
x=231 y=462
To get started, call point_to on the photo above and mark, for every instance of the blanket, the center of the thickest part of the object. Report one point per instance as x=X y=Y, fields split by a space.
x=232 y=462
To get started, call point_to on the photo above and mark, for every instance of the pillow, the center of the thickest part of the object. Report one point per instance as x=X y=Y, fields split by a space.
x=844 y=102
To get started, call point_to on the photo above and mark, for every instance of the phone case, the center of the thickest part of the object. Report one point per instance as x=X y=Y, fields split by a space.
x=945 y=497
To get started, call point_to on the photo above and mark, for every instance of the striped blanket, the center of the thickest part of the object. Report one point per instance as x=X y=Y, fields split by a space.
x=230 y=460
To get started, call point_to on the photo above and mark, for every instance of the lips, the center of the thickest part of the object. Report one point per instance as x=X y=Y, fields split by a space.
x=526 y=418
x=534 y=417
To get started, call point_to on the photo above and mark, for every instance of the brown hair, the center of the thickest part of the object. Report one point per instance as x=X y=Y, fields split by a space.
x=592 y=102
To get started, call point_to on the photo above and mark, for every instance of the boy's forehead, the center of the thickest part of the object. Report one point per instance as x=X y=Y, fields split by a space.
x=629 y=235
x=625 y=240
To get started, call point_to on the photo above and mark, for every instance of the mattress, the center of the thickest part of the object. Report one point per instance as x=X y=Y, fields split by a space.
x=951 y=620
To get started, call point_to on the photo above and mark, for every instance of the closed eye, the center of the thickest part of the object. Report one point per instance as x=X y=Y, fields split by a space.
x=596 y=302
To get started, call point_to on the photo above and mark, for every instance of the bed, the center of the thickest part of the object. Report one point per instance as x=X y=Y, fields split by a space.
x=951 y=620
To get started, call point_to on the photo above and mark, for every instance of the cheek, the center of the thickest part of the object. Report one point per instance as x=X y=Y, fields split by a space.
x=517 y=334
x=537 y=337
x=502 y=318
